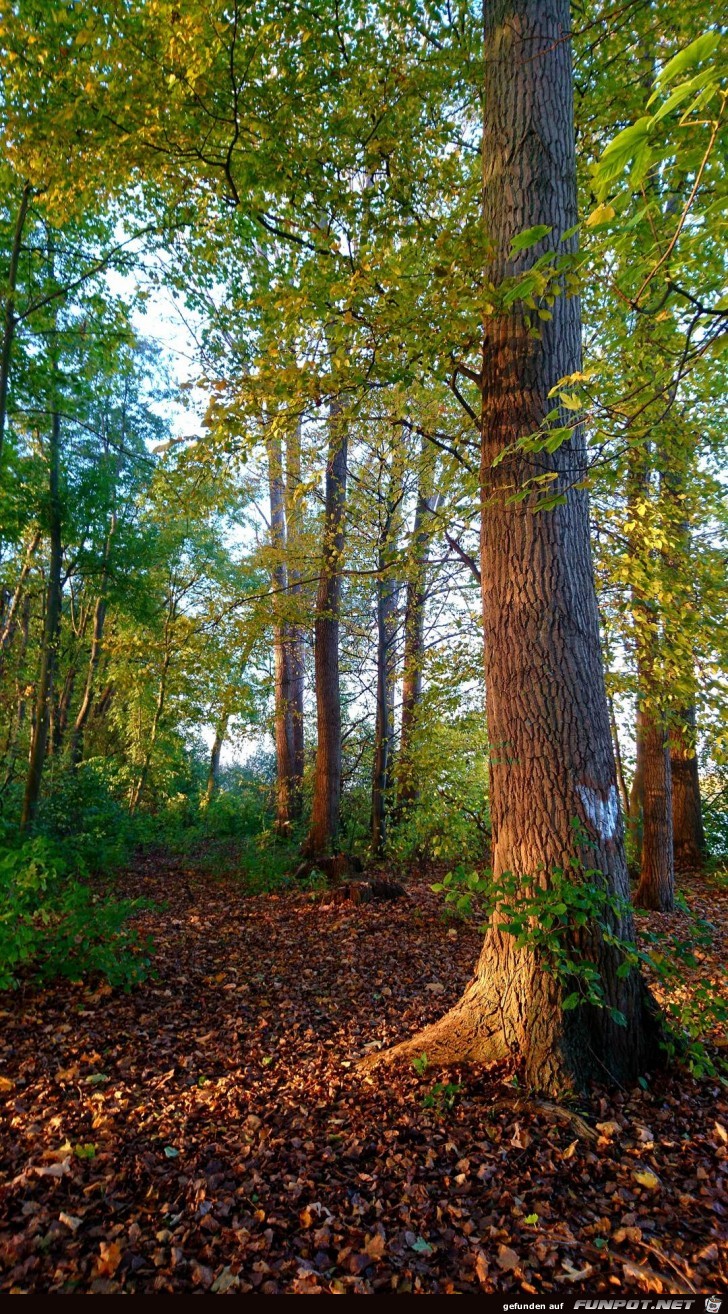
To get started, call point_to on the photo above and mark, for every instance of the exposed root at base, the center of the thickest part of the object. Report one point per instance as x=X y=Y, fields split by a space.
x=469 y=1033
x=557 y=1112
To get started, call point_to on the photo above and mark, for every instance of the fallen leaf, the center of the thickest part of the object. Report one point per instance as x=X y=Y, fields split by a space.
x=572 y=1274
x=70 y=1221
x=109 y=1259
x=645 y=1177
x=609 y=1128
x=507 y=1259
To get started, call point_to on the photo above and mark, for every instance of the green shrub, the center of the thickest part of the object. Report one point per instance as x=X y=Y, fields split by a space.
x=52 y=924
x=82 y=806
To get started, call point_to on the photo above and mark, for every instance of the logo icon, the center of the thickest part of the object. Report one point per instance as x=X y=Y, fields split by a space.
x=712 y=1304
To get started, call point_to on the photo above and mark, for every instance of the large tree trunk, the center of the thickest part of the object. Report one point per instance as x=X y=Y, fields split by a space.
x=548 y=722
x=296 y=636
x=281 y=650
x=323 y=833
x=689 y=848
x=51 y=633
x=656 y=887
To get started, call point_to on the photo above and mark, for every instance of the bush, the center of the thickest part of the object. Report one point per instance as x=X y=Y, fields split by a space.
x=82 y=805
x=53 y=925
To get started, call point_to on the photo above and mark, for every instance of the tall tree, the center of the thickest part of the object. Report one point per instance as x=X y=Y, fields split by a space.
x=324 y=828
x=51 y=627
x=281 y=643
x=548 y=723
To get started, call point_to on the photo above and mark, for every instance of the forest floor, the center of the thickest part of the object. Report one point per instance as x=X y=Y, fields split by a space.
x=210 y=1130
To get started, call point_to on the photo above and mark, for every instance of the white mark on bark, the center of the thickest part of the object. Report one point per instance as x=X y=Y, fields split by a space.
x=602 y=813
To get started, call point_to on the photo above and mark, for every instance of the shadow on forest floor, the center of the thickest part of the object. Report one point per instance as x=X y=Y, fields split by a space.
x=209 y=1131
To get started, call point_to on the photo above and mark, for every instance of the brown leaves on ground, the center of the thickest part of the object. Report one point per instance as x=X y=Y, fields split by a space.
x=211 y=1133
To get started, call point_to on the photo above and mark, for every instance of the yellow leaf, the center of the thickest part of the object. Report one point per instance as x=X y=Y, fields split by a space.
x=645 y=1177
x=601 y=215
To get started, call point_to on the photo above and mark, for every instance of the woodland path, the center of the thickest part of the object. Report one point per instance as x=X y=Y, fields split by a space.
x=209 y=1131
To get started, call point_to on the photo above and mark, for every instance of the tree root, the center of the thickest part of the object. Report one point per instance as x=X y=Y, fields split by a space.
x=469 y=1033
x=557 y=1112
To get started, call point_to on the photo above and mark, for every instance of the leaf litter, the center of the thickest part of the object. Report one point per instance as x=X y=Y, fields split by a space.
x=210 y=1132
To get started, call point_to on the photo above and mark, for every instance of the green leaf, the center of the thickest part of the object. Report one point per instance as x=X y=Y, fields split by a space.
x=623 y=147
x=681 y=94
x=698 y=49
x=421 y=1246
x=529 y=237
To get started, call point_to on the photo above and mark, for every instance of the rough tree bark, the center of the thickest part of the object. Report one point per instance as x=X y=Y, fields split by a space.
x=51 y=633
x=548 y=721
x=323 y=832
x=281 y=647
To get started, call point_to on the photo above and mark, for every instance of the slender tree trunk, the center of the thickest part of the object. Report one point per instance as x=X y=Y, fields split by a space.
x=323 y=833
x=141 y=780
x=688 y=836
x=51 y=634
x=97 y=636
x=689 y=847
x=9 y=317
x=650 y=819
x=6 y=633
x=548 y=721
x=102 y=705
x=636 y=789
x=59 y=715
x=656 y=887
x=213 y=775
x=414 y=635
x=623 y=794
x=384 y=729
x=12 y=747
x=281 y=649
x=651 y=797
x=296 y=638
